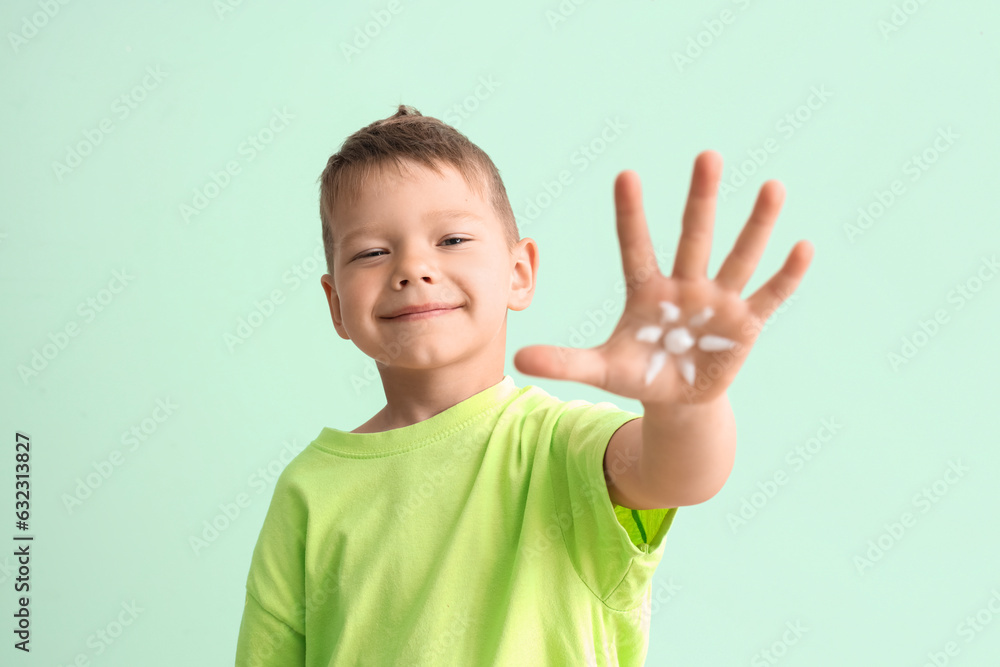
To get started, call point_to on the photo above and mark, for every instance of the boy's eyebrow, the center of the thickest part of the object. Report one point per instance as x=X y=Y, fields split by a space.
x=442 y=214
x=451 y=214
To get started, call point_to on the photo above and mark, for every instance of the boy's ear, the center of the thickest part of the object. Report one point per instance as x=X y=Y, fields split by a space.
x=524 y=274
x=331 y=296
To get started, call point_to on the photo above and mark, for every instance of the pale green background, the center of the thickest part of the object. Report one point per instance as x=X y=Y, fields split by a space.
x=824 y=356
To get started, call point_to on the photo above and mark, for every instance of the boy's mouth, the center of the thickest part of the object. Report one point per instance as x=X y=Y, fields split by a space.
x=421 y=311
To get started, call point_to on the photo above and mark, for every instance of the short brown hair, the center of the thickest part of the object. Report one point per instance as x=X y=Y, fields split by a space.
x=408 y=134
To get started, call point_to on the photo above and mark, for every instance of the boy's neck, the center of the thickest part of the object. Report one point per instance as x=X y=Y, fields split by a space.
x=417 y=398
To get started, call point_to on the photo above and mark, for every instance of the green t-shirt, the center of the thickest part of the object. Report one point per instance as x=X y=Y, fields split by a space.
x=483 y=535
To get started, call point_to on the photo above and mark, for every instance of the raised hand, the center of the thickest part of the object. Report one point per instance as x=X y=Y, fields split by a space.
x=681 y=338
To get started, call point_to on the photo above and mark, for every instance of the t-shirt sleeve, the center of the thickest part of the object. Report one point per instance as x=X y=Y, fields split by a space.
x=272 y=630
x=615 y=550
x=267 y=641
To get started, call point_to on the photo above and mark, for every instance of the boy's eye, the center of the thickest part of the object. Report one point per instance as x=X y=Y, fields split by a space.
x=372 y=253
x=364 y=255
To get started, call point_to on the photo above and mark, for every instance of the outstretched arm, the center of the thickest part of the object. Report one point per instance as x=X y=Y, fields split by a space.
x=679 y=344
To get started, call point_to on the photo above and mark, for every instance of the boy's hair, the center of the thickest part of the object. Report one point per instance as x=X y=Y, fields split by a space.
x=408 y=134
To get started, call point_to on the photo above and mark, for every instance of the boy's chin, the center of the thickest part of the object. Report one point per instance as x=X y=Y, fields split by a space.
x=416 y=362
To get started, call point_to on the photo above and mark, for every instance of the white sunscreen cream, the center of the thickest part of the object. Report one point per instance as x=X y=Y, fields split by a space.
x=649 y=334
x=655 y=364
x=678 y=341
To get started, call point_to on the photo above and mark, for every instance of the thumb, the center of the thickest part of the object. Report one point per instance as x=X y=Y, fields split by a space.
x=562 y=363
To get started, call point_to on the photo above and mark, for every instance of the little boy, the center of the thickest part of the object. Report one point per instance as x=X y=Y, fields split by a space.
x=471 y=521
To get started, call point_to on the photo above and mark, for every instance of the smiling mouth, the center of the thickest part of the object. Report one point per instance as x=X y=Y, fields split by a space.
x=422 y=315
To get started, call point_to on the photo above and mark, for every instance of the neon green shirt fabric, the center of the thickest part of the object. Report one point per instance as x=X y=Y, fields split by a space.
x=483 y=535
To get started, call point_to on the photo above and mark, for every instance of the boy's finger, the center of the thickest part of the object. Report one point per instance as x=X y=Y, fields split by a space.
x=562 y=363
x=695 y=244
x=782 y=284
x=749 y=247
x=638 y=257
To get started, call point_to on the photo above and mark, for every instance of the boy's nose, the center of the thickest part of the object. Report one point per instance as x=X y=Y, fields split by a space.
x=404 y=281
x=413 y=266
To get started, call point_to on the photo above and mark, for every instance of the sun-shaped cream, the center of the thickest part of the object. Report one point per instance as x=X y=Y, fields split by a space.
x=678 y=340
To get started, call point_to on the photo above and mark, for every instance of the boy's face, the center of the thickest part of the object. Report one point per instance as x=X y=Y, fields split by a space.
x=397 y=248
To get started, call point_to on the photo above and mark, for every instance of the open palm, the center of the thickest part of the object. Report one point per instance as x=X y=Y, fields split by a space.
x=681 y=338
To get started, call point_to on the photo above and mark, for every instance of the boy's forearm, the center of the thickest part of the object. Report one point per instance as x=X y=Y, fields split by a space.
x=688 y=450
